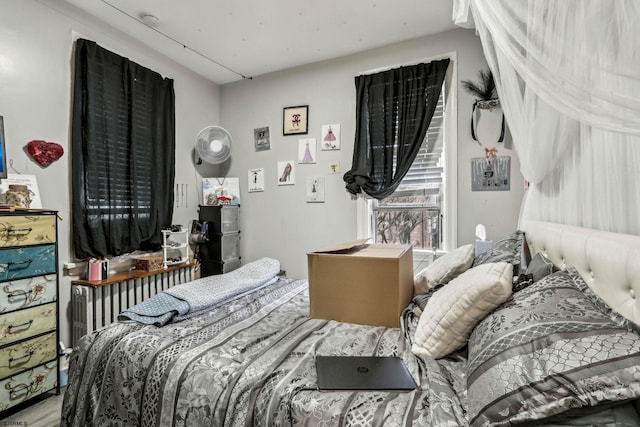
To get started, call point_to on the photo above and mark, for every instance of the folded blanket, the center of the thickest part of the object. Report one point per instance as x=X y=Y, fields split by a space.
x=188 y=299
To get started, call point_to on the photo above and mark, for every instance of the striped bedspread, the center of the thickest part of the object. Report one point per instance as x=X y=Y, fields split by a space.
x=251 y=362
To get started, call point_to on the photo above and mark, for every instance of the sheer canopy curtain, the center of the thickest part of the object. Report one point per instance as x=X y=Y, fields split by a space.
x=568 y=78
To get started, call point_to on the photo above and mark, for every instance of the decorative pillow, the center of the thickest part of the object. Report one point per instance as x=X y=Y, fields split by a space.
x=613 y=315
x=539 y=267
x=547 y=351
x=444 y=268
x=508 y=249
x=454 y=310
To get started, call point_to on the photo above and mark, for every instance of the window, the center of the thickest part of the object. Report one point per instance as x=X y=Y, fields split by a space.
x=123 y=149
x=422 y=210
x=412 y=213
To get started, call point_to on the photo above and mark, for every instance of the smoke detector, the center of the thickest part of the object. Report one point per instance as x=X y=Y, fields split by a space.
x=150 y=20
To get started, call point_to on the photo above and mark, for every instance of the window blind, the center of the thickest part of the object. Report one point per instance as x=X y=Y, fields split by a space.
x=121 y=145
x=425 y=176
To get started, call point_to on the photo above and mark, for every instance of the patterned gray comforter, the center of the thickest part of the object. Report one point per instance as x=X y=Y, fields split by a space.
x=251 y=362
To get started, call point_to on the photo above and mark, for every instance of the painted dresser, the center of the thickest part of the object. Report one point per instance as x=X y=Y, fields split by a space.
x=28 y=307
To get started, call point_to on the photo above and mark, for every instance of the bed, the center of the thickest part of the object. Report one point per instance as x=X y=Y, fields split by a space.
x=560 y=348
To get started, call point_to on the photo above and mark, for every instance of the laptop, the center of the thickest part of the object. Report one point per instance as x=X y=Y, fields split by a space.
x=387 y=373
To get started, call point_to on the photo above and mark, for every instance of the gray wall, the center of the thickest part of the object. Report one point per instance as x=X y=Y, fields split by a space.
x=278 y=222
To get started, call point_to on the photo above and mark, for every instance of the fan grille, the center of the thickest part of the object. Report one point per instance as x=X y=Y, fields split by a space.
x=213 y=144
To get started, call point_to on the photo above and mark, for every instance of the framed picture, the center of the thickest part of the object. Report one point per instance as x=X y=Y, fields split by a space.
x=334 y=167
x=261 y=137
x=490 y=174
x=307 y=150
x=295 y=120
x=315 y=189
x=286 y=172
x=330 y=137
x=256 y=180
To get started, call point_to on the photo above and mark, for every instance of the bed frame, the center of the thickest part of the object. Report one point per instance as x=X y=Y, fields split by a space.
x=608 y=262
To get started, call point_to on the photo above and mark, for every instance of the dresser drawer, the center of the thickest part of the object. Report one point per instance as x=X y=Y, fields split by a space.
x=28 y=384
x=27 y=323
x=29 y=292
x=16 y=263
x=27 y=354
x=27 y=230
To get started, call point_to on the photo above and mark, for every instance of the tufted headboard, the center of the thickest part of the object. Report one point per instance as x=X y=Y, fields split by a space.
x=608 y=262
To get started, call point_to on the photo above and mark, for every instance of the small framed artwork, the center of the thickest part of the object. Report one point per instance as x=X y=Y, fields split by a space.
x=286 y=172
x=330 y=137
x=261 y=137
x=256 y=180
x=307 y=150
x=334 y=167
x=490 y=174
x=295 y=120
x=315 y=189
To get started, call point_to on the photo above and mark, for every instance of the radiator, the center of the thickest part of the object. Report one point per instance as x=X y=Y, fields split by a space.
x=94 y=306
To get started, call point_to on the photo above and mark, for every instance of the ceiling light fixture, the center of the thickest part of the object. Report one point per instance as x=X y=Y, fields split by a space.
x=150 y=20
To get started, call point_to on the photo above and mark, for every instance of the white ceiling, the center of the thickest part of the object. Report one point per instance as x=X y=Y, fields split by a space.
x=228 y=40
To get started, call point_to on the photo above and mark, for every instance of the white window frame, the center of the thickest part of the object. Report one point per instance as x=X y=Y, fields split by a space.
x=449 y=207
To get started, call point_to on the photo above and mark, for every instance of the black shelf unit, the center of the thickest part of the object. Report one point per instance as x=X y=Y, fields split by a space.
x=221 y=252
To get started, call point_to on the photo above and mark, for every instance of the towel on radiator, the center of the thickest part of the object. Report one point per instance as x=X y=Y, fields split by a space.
x=188 y=299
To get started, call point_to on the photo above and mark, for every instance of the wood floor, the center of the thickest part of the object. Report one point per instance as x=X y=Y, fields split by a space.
x=45 y=413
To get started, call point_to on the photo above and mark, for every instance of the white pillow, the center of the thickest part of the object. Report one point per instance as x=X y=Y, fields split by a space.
x=454 y=310
x=443 y=269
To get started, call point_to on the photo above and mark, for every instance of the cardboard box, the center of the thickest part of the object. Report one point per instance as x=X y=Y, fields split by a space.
x=358 y=283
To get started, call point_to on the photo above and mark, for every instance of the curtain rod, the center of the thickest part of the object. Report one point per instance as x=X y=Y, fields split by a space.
x=450 y=55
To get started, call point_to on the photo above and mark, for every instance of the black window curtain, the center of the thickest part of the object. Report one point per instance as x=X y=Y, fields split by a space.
x=123 y=154
x=393 y=112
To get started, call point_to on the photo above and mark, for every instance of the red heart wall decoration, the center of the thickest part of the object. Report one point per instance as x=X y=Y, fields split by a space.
x=44 y=153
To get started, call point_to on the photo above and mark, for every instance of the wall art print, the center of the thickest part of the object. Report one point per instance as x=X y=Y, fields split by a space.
x=286 y=172
x=330 y=137
x=255 y=180
x=295 y=120
x=490 y=173
x=334 y=167
x=315 y=189
x=307 y=150
x=262 y=139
